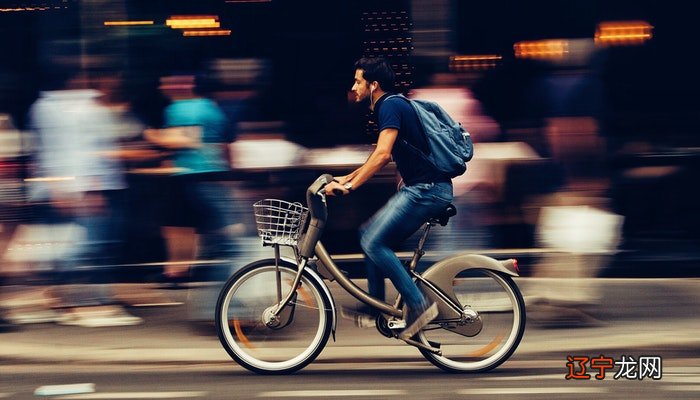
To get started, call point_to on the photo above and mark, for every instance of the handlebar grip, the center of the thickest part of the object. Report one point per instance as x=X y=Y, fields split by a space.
x=320 y=183
x=328 y=178
x=317 y=187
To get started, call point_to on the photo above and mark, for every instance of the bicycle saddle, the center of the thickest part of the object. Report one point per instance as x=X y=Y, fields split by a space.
x=444 y=216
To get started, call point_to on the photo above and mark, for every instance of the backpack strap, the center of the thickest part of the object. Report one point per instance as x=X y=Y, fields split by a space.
x=403 y=141
x=399 y=95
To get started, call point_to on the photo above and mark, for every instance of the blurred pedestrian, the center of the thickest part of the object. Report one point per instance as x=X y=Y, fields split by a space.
x=143 y=238
x=78 y=181
x=197 y=132
x=11 y=198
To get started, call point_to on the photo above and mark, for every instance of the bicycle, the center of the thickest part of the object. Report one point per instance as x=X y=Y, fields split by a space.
x=276 y=315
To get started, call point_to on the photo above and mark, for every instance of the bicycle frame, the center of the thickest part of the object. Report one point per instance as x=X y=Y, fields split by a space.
x=479 y=323
x=329 y=270
x=438 y=276
x=433 y=280
x=334 y=272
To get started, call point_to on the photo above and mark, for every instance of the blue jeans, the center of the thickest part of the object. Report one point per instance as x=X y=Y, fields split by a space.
x=402 y=215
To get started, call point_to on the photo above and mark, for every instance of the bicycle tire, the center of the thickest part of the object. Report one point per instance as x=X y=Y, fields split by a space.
x=501 y=309
x=292 y=345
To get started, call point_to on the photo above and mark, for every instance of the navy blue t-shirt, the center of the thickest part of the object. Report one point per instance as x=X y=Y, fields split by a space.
x=399 y=114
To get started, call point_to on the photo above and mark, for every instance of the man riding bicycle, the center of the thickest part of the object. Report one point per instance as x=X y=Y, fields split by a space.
x=423 y=193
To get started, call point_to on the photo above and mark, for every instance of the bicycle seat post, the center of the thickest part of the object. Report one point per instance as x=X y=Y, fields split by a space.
x=418 y=252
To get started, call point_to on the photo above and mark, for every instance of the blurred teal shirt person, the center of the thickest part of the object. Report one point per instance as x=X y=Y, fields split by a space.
x=196 y=131
x=205 y=114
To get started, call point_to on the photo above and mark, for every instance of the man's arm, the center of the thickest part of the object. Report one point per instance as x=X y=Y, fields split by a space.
x=376 y=161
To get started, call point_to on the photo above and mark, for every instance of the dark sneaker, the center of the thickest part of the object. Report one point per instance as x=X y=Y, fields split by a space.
x=416 y=320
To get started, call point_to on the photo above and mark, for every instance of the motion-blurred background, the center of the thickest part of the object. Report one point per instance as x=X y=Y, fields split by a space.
x=584 y=116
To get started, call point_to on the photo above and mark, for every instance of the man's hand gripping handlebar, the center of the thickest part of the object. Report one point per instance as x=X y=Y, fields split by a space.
x=336 y=188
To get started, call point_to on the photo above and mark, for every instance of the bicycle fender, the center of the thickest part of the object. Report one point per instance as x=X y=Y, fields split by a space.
x=315 y=276
x=442 y=272
x=449 y=266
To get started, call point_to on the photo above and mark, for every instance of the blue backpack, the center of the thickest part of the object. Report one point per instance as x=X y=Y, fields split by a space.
x=450 y=145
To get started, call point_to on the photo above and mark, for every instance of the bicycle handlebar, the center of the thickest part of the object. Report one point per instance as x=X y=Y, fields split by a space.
x=318 y=213
x=318 y=185
x=328 y=178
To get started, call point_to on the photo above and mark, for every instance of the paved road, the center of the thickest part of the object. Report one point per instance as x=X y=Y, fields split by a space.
x=520 y=378
x=166 y=358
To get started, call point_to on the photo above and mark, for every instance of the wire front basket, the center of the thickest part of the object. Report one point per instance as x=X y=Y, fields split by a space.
x=280 y=222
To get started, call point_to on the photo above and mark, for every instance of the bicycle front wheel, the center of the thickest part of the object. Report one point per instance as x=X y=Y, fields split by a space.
x=273 y=345
x=497 y=311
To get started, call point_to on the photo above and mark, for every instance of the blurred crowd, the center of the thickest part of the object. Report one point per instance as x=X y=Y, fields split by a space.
x=88 y=188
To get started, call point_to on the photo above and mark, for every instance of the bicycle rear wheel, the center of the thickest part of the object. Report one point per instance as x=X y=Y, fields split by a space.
x=244 y=307
x=498 y=310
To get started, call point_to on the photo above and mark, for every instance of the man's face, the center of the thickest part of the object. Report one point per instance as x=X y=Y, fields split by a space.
x=361 y=87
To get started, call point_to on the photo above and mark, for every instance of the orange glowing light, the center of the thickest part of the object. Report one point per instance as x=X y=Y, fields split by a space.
x=474 y=62
x=620 y=33
x=193 y=21
x=211 y=32
x=542 y=49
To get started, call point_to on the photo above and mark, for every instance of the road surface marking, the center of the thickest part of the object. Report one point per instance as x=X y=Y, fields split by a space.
x=525 y=377
x=132 y=395
x=56 y=390
x=169 y=303
x=684 y=369
x=525 y=390
x=333 y=393
x=370 y=365
x=683 y=388
x=681 y=378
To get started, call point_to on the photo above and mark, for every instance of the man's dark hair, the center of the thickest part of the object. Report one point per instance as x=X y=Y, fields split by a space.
x=377 y=69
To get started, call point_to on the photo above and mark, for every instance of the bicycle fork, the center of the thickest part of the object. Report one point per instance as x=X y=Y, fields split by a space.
x=279 y=315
